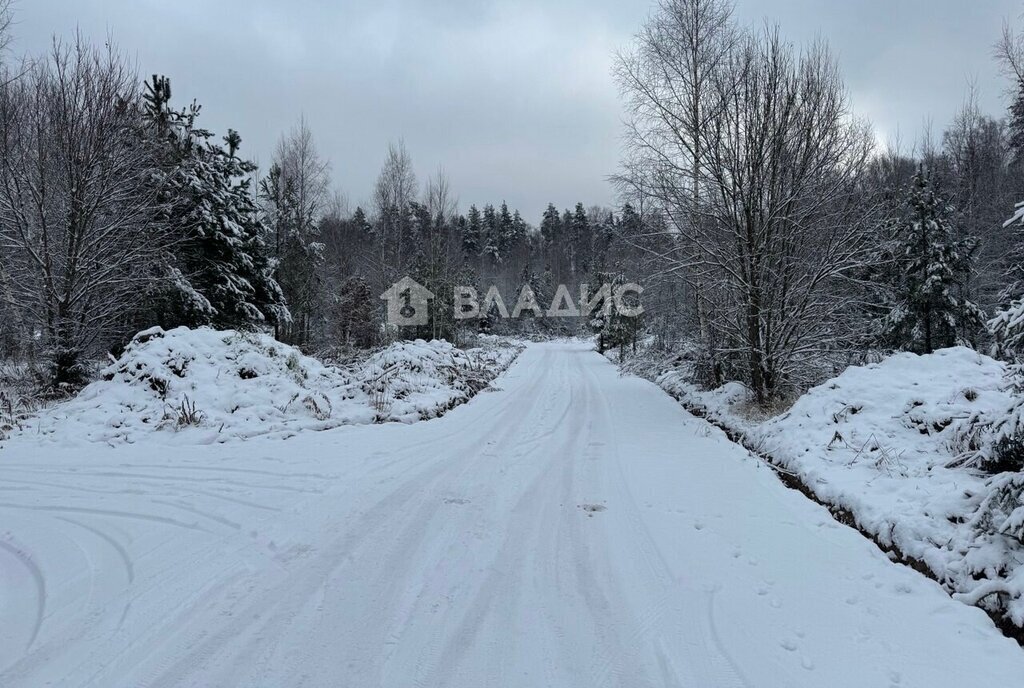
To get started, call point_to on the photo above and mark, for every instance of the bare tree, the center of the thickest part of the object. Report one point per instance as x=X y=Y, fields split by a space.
x=296 y=197
x=395 y=191
x=6 y=18
x=305 y=171
x=976 y=167
x=440 y=200
x=1009 y=53
x=759 y=191
x=667 y=81
x=76 y=205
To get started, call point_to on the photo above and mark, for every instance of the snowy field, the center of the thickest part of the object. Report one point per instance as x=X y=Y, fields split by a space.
x=572 y=528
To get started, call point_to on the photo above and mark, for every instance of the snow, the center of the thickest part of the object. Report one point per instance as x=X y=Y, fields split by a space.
x=574 y=527
x=196 y=386
x=877 y=440
x=885 y=442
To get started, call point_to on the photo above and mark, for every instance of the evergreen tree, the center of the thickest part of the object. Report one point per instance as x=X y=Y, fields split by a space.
x=491 y=248
x=361 y=224
x=1004 y=446
x=297 y=256
x=1008 y=324
x=568 y=244
x=582 y=240
x=356 y=321
x=933 y=264
x=472 y=237
x=550 y=225
x=505 y=230
x=220 y=272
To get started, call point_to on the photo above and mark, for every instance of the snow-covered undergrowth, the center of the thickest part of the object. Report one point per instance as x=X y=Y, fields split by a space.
x=204 y=385
x=20 y=396
x=886 y=443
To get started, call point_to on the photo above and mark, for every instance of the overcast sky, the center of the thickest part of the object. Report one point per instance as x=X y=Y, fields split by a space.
x=514 y=99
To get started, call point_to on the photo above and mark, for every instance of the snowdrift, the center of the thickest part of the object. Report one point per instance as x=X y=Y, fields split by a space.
x=204 y=385
x=884 y=442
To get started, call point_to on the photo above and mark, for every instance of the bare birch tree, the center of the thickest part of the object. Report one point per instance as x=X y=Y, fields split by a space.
x=396 y=189
x=440 y=199
x=296 y=197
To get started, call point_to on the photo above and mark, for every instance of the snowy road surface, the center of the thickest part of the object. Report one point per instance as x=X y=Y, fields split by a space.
x=575 y=528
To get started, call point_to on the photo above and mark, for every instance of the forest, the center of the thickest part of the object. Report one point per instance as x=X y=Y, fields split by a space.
x=776 y=240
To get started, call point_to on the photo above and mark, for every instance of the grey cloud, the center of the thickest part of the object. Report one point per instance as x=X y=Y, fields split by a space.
x=514 y=99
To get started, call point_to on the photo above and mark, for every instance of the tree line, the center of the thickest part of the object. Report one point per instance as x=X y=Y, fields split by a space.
x=775 y=239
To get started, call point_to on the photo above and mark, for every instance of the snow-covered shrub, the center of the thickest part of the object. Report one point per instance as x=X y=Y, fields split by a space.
x=21 y=395
x=1001 y=443
x=897 y=445
x=209 y=385
x=928 y=407
x=1002 y=510
x=1004 y=448
x=419 y=379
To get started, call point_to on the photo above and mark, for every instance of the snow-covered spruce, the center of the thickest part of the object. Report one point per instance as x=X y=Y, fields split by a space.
x=895 y=445
x=203 y=385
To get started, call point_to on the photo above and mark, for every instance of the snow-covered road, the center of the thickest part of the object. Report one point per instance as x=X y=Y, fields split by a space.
x=574 y=528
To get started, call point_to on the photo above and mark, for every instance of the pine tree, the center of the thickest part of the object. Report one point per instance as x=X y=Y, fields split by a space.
x=220 y=273
x=550 y=225
x=361 y=224
x=568 y=242
x=492 y=246
x=1004 y=446
x=932 y=264
x=472 y=238
x=505 y=230
x=629 y=221
x=581 y=237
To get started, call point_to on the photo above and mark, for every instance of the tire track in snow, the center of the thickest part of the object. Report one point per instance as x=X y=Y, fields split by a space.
x=273 y=606
x=165 y=520
x=36 y=573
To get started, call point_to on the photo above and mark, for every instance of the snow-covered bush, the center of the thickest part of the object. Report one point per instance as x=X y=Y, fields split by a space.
x=1004 y=450
x=900 y=446
x=412 y=380
x=926 y=406
x=21 y=395
x=205 y=385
